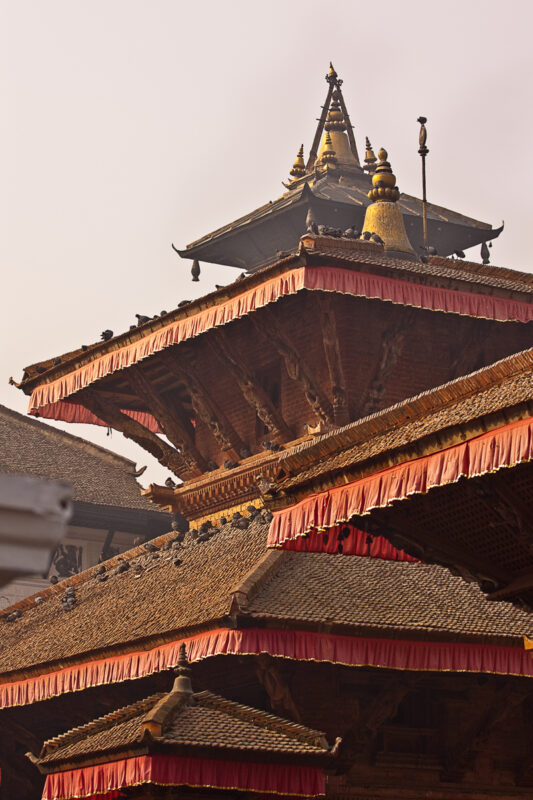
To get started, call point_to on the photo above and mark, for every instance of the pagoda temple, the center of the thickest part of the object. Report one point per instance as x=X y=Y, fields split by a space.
x=331 y=185
x=350 y=431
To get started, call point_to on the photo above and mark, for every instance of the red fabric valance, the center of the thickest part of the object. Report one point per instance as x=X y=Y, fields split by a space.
x=103 y=780
x=47 y=400
x=352 y=541
x=357 y=651
x=489 y=452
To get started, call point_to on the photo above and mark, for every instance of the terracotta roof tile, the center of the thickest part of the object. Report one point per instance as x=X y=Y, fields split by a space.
x=99 y=476
x=210 y=722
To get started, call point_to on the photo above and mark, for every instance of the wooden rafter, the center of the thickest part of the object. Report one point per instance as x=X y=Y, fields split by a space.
x=169 y=418
x=111 y=414
x=205 y=407
x=252 y=391
x=333 y=360
x=295 y=363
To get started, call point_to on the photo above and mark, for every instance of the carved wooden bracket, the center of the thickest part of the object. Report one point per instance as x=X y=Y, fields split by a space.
x=295 y=363
x=111 y=414
x=333 y=360
x=253 y=393
x=205 y=408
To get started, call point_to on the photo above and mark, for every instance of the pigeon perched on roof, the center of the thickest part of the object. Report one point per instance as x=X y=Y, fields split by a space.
x=377 y=238
x=183 y=303
x=460 y=254
x=170 y=484
x=106 y=335
x=142 y=318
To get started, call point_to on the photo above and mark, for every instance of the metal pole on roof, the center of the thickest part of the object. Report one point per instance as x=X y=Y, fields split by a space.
x=423 y=151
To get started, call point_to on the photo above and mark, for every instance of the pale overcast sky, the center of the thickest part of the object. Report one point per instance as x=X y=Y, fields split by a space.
x=134 y=123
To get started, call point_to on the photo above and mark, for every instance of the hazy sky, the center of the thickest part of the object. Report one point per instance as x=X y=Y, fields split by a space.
x=131 y=124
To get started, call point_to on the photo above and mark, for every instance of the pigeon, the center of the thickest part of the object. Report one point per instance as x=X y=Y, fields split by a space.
x=106 y=335
x=102 y=578
x=170 y=484
x=183 y=303
x=54 y=579
x=219 y=286
x=366 y=235
x=150 y=548
x=377 y=238
x=242 y=523
x=142 y=318
x=163 y=313
x=84 y=347
x=230 y=464
x=312 y=228
x=195 y=270
x=57 y=361
x=241 y=277
x=322 y=230
x=100 y=570
x=39 y=600
x=460 y=254
x=177 y=562
x=223 y=520
x=122 y=567
x=351 y=233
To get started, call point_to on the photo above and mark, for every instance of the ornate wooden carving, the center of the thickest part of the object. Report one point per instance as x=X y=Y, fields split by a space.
x=252 y=392
x=333 y=360
x=272 y=678
x=110 y=413
x=168 y=418
x=392 y=347
x=295 y=364
x=205 y=408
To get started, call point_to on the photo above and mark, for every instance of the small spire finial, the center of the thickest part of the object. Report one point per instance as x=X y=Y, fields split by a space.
x=298 y=168
x=328 y=153
x=182 y=683
x=332 y=75
x=370 y=158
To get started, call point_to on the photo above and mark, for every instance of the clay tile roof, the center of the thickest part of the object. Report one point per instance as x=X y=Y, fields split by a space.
x=210 y=722
x=490 y=390
x=353 y=593
x=100 y=477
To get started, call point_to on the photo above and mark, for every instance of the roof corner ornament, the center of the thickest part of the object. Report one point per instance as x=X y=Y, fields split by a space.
x=423 y=151
x=298 y=168
x=195 y=270
x=370 y=158
x=383 y=217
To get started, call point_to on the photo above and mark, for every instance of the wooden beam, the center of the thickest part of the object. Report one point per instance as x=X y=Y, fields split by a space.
x=112 y=416
x=205 y=407
x=392 y=345
x=252 y=391
x=333 y=359
x=168 y=419
x=295 y=363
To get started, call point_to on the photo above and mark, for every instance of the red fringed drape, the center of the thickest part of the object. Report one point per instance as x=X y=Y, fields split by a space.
x=48 y=400
x=347 y=540
x=503 y=447
x=357 y=651
x=103 y=780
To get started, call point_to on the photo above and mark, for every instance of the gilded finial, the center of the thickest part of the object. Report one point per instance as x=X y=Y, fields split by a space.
x=298 y=168
x=383 y=217
x=370 y=158
x=332 y=75
x=335 y=119
x=384 y=187
x=328 y=155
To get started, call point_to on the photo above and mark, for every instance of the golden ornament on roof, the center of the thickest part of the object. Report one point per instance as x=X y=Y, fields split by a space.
x=298 y=168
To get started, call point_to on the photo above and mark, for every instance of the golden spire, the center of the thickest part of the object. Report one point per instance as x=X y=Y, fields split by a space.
x=298 y=168
x=336 y=127
x=335 y=119
x=328 y=155
x=370 y=158
x=383 y=216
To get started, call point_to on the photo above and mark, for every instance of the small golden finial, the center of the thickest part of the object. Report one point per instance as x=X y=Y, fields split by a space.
x=384 y=187
x=370 y=158
x=335 y=119
x=298 y=168
x=331 y=77
x=328 y=155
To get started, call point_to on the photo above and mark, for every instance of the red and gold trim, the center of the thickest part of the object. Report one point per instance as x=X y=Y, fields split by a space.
x=48 y=399
x=503 y=447
x=354 y=651
x=103 y=781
